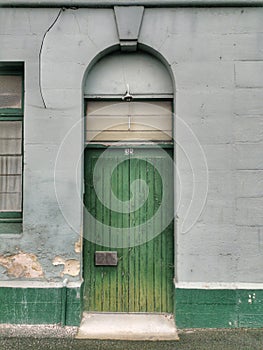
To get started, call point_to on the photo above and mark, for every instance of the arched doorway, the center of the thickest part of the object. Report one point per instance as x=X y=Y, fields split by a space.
x=128 y=172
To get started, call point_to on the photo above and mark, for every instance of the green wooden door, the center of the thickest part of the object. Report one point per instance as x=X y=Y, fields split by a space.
x=143 y=279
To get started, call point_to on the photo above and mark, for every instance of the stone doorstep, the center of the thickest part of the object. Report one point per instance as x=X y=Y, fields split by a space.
x=124 y=326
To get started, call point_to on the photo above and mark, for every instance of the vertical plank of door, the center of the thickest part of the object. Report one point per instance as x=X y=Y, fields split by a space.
x=126 y=224
x=90 y=228
x=157 y=251
x=114 y=222
x=143 y=264
x=137 y=173
x=119 y=221
x=131 y=258
x=151 y=259
x=98 y=298
x=106 y=219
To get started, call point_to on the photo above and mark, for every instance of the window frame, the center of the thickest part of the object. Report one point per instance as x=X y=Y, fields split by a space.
x=11 y=221
x=136 y=98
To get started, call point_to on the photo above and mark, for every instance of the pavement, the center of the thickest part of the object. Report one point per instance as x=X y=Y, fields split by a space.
x=55 y=338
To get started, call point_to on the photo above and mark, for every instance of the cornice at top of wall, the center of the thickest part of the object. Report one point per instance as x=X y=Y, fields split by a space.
x=146 y=3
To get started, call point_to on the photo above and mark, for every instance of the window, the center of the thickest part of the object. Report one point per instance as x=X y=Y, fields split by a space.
x=11 y=147
x=129 y=121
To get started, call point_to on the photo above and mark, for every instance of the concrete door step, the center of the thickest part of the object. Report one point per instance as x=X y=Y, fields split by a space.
x=124 y=326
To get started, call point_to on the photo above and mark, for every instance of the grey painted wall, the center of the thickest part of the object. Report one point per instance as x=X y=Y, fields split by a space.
x=216 y=58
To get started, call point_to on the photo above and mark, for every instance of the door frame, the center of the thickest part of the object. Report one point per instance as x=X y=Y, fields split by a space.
x=143 y=144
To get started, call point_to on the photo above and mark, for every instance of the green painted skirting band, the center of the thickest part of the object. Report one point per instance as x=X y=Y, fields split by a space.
x=40 y=306
x=218 y=308
x=111 y=3
x=194 y=308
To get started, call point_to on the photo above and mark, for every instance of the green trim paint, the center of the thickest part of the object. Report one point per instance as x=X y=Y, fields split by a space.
x=195 y=308
x=218 y=308
x=40 y=306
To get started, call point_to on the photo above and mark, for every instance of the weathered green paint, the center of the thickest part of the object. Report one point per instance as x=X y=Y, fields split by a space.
x=40 y=306
x=204 y=308
x=10 y=222
x=73 y=310
x=9 y=227
x=143 y=279
x=195 y=308
x=8 y=114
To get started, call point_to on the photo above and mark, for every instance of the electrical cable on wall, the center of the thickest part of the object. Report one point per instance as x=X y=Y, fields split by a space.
x=40 y=54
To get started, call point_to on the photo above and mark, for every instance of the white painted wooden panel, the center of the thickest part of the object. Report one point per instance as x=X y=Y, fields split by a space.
x=10 y=201
x=10 y=138
x=10 y=91
x=10 y=146
x=122 y=123
x=128 y=136
x=102 y=122
x=10 y=165
x=10 y=183
x=10 y=130
x=161 y=122
x=124 y=108
x=129 y=121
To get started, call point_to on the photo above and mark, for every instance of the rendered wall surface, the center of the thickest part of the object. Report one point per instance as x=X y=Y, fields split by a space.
x=215 y=56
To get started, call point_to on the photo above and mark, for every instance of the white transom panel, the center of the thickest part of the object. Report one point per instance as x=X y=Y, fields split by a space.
x=143 y=73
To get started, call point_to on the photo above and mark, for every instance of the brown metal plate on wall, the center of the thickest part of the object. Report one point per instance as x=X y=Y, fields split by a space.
x=106 y=258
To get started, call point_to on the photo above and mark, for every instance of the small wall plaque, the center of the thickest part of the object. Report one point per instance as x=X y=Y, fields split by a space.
x=106 y=258
x=128 y=151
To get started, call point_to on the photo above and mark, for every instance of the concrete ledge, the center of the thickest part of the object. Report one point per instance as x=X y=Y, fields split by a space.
x=218 y=285
x=123 y=326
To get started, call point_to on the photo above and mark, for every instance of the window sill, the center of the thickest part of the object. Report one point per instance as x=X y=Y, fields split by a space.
x=10 y=227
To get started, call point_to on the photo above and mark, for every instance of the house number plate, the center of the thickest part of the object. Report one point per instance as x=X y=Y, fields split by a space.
x=106 y=258
x=128 y=151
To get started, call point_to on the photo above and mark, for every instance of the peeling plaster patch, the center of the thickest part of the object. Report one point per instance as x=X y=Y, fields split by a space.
x=22 y=265
x=71 y=266
x=78 y=246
